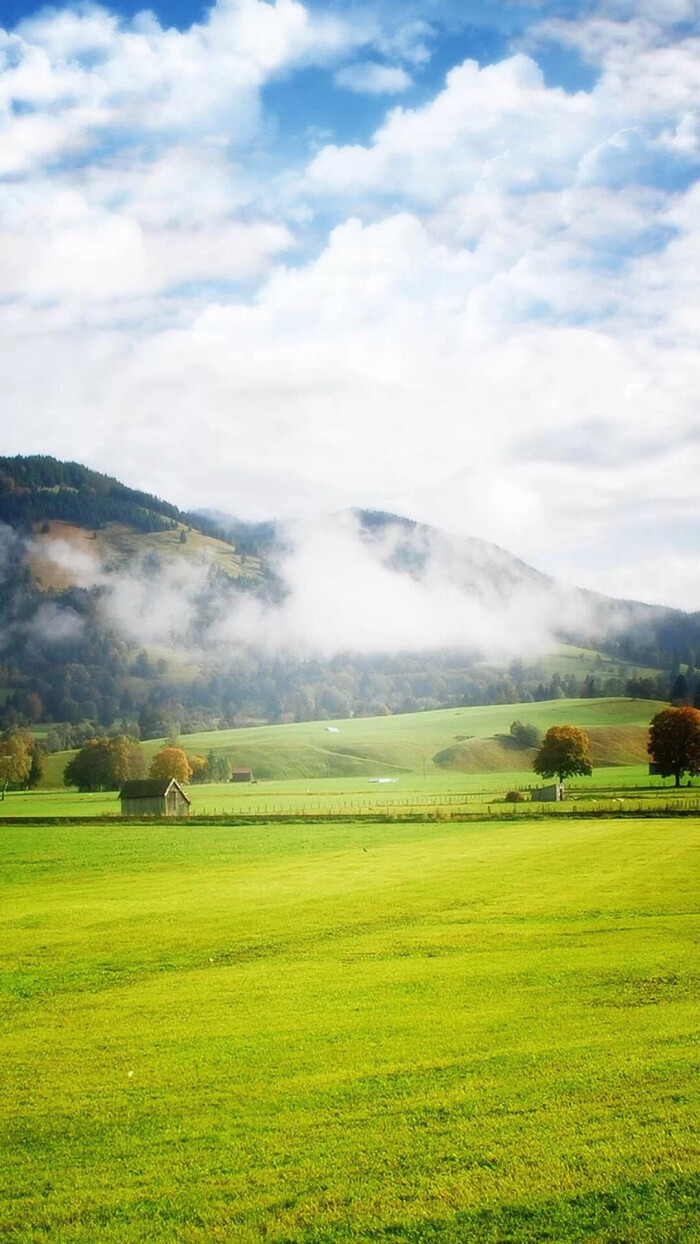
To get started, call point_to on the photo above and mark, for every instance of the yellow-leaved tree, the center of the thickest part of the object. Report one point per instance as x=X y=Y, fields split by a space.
x=171 y=762
x=564 y=753
x=15 y=760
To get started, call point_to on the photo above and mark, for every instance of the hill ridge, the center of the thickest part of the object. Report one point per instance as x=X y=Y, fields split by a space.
x=40 y=488
x=83 y=651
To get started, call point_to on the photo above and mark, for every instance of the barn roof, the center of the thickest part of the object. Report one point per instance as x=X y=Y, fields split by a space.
x=149 y=788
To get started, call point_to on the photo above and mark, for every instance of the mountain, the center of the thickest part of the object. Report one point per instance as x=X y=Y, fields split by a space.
x=38 y=488
x=120 y=610
x=55 y=503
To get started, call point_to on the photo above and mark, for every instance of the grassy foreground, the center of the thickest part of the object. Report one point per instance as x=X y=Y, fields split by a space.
x=307 y=1034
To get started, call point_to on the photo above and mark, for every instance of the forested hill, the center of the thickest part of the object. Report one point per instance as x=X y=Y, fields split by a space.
x=41 y=489
x=179 y=620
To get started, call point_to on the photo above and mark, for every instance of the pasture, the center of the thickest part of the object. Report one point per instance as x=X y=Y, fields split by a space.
x=410 y=742
x=447 y=743
x=447 y=761
x=312 y=1034
x=409 y=793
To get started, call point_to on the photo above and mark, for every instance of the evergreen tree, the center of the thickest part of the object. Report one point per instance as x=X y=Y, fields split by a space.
x=679 y=690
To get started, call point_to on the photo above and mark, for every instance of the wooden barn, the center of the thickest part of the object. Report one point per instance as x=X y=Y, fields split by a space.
x=154 y=797
x=241 y=775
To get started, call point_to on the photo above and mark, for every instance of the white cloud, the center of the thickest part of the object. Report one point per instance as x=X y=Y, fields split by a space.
x=498 y=127
x=101 y=77
x=506 y=294
x=146 y=604
x=371 y=78
x=55 y=624
x=410 y=43
x=343 y=593
x=155 y=121
x=669 y=578
x=91 y=254
x=343 y=597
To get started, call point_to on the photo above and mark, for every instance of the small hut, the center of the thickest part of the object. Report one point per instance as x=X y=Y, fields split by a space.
x=549 y=794
x=154 y=797
x=241 y=775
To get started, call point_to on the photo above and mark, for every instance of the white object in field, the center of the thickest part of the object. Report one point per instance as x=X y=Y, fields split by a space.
x=332 y=730
x=383 y=780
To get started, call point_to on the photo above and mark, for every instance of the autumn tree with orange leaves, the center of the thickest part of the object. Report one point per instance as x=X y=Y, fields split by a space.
x=171 y=762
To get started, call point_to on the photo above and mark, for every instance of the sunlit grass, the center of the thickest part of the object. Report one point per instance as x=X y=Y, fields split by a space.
x=450 y=793
x=408 y=743
x=350 y=1032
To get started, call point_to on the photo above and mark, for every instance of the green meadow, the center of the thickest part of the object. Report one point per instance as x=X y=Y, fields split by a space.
x=477 y=738
x=409 y=793
x=425 y=1034
x=449 y=761
x=444 y=745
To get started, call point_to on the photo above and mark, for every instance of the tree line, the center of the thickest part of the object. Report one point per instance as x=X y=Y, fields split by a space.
x=106 y=763
x=95 y=678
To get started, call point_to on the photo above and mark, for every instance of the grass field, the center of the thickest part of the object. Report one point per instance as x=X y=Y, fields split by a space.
x=568 y=659
x=426 y=1034
x=316 y=768
x=468 y=741
x=353 y=796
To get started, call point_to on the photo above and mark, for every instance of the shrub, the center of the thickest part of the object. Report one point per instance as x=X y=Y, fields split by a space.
x=525 y=736
x=515 y=796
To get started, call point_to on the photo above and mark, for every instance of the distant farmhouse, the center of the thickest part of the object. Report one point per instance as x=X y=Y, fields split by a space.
x=241 y=775
x=154 y=797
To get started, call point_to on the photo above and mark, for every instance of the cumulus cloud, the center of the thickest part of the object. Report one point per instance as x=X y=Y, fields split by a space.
x=466 y=316
x=98 y=73
x=153 y=122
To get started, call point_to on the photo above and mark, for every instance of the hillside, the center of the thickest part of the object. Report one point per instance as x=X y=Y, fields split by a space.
x=119 y=610
x=408 y=742
x=58 y=504
x=463 y=740
x=40 y=488
x=118 y=546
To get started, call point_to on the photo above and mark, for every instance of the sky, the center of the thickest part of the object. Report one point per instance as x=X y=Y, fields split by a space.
x=438 y=258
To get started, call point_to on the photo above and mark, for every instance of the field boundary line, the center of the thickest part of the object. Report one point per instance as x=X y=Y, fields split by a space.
x=419 y=817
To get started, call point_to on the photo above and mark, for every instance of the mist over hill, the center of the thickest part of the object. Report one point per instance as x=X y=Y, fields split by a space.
x=118 y=609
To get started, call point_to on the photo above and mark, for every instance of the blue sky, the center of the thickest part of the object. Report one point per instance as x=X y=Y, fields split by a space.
x=440 y=258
